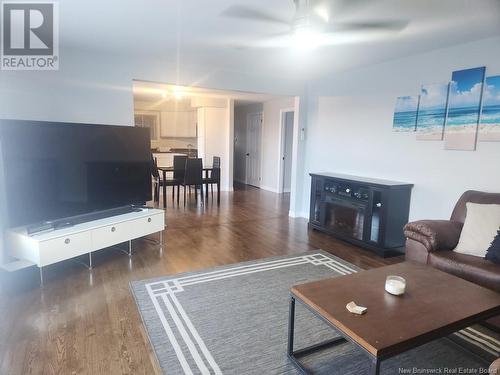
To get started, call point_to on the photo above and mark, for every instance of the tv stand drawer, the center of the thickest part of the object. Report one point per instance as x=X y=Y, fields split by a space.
x=62 y=248
x=121 y=232
x=147 y=225
x=111 y=235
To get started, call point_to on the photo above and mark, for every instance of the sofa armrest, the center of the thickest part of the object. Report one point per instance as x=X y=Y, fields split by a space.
x=495 y=367
x=434 y=235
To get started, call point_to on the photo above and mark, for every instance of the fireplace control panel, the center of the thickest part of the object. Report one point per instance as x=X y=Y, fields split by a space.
x=353 y=191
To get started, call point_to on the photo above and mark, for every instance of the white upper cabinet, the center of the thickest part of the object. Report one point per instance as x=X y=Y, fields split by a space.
x=178 y=124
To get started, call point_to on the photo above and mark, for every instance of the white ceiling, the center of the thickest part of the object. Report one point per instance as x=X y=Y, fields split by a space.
x=193 y=32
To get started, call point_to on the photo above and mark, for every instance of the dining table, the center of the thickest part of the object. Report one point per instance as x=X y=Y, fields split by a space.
x=170 y=169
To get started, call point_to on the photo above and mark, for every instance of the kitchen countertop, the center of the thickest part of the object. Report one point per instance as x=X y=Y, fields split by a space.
x=175 y=152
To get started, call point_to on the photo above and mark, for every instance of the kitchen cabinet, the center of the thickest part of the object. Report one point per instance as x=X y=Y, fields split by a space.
x=178 y=124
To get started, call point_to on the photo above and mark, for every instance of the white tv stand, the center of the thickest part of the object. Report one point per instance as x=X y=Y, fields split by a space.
x=54 y=246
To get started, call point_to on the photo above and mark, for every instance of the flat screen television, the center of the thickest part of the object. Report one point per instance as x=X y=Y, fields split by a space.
x=54 y=171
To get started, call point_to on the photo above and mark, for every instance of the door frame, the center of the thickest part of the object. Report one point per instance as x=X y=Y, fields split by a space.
x=281 y=162
x=249 y=115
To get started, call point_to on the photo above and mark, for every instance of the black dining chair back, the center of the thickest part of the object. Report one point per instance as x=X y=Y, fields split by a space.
x=156 y=180
x=215 y=175
x=179 y=166
x=213 y=178
x=193 y=177
x=194 y=171
x=154 y=168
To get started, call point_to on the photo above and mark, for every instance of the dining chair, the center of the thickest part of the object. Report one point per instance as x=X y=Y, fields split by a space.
x=213 y=179
x=193 y=177
x=178 y=176
x=156 y=181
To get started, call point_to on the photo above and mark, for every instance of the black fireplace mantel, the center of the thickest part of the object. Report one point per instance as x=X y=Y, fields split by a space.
x=368 y=212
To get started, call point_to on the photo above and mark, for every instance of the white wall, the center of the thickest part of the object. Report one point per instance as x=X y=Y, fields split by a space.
x=288 y=151
x=349 y=130
x=97 y=87
x=215 y=138
x=2 y=212
x=241 y=113
x=271 y=140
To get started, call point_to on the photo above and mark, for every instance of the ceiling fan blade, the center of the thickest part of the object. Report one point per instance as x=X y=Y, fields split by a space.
x=345 y=6
x=243 y=12
x=274 y=40
x=369 y=26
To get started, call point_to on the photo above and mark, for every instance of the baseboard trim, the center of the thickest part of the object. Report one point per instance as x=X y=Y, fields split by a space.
x=296 y=214
x=267 y=188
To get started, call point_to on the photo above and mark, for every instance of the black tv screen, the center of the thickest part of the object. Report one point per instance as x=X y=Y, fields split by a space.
x=58 y=170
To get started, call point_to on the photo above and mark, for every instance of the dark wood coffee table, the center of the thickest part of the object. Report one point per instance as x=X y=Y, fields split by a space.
x=435 y=305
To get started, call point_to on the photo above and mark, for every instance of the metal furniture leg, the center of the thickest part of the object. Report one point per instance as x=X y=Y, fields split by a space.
x=293 y=355
x=130 y=248
x=41 y=276
x=81 y=263
x=374 y=367
x=164 y=189
x=291 y=325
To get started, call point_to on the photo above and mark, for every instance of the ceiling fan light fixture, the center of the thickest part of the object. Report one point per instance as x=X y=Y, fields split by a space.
x=322 y=13
x=305 y=38
x=179 y=93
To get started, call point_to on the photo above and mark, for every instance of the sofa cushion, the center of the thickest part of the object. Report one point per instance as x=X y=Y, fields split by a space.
x=493 y=253
x=479 y=230
x=468 y=267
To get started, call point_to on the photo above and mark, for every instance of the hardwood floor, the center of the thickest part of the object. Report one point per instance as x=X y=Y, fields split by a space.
x=86 y=322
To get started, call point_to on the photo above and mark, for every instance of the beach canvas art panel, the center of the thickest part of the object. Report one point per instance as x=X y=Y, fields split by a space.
x=489 y=128
x=464 y=109
x=405 y=114
x=432 y=111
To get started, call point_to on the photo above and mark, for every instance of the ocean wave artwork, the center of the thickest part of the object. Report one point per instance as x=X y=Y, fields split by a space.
x=432 y=111
x=405 y=114
x=489 y=126
x=464 y=109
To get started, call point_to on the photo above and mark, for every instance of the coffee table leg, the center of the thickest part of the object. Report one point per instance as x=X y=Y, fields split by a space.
x=293 y=355
x=291 y=325
x=374 y=367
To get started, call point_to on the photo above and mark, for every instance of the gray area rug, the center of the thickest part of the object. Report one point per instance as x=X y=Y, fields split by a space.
x=233 y=320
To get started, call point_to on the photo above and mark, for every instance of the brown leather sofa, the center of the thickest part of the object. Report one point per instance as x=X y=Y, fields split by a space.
x=431 y=242
x=495 y=367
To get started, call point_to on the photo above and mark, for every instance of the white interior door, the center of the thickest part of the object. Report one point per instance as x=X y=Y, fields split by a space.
x=287 y=151
x=254 y=131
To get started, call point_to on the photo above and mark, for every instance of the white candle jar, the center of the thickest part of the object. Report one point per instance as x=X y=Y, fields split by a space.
x=395 y=285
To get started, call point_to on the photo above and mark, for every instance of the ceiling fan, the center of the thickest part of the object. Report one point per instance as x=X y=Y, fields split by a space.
x=316 y=23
